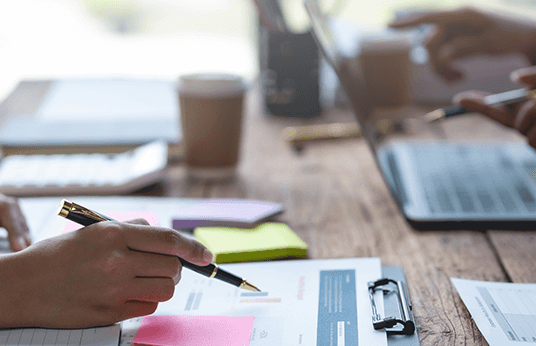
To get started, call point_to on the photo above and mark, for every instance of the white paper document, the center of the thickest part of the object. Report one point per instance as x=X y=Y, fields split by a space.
x=302 y=302
x=505 y=313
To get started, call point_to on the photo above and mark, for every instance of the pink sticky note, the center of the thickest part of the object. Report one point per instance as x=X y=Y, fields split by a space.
x=151 y=217
x=186 y=330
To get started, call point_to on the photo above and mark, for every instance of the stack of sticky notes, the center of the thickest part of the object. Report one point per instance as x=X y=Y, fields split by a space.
x=271 y=240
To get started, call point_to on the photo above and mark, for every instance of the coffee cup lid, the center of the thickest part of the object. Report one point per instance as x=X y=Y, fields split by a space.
x=211 y=84
x=384 y=42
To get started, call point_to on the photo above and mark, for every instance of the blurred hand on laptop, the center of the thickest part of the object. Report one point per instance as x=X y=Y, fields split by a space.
x=468 y=31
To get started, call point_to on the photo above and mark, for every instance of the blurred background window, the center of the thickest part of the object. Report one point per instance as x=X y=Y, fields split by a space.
x=161 y=38
x=146 y=38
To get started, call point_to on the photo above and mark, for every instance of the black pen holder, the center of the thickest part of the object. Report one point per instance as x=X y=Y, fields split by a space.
x=289 y=65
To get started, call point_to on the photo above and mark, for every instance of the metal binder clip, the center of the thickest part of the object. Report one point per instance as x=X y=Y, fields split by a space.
x=388 y=287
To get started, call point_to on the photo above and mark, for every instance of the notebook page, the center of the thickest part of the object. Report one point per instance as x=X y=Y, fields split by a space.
x=105 y=336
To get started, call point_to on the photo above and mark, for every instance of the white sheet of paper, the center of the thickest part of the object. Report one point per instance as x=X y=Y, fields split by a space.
x=107 y=99
x=505 y=313
x=301 y=303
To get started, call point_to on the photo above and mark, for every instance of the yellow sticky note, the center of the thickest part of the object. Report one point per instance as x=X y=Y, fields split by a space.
x=267 y=241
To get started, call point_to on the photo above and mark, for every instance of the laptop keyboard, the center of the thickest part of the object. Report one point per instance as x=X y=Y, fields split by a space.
x=474 y=180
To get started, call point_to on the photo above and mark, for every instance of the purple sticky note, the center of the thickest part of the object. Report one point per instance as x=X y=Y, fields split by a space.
x=178 y=224
x=187 y=330
x=225 y=212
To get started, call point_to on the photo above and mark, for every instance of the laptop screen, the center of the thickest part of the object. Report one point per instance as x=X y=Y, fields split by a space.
x=342 y=51
x=341 y=44
x=346 y=66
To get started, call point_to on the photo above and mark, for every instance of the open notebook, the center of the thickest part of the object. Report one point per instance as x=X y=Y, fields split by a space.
x=103 y=336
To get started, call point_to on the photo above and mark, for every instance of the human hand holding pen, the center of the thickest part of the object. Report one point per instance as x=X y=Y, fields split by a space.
x=97 y=275
x=521 y=117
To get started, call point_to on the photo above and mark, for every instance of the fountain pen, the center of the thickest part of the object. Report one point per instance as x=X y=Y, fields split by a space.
x=86 y=217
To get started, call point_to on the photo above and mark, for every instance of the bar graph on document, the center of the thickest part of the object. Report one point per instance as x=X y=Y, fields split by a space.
x=267 y=330
x=504 y=312
x=514 y=310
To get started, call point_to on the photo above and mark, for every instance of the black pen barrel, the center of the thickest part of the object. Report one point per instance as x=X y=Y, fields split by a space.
x=203 y=270
x=81 y=219
x=454 y=110
x=213 y=271
x=229 y=278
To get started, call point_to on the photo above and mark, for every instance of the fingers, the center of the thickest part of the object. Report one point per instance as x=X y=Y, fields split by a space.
x=475 y=101
x=526 y=75
x=470 y=96
x=525 y=119
x=425 y=17
x=154 y=265
x=168 y=242
x=461 y=47
x=435 y=17
x=138 y=222
x=18 y=243
x=143 y=298
x=12 y=219
x=435 y=42
x=531 y=137
x=456 y=49
x=455 y=34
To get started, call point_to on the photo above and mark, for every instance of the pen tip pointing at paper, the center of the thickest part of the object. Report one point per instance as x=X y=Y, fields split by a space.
x=246 y=285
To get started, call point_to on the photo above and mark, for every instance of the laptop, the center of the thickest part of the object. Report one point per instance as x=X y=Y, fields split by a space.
x=437 y=184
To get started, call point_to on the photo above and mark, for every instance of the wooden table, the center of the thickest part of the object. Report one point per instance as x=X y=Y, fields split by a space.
x=336 y=201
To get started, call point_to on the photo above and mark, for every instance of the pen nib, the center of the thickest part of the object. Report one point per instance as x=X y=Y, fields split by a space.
x=247 y=286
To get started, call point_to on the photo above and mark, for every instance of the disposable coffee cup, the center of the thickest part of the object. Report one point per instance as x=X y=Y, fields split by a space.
x=385 y=64
x=211 y=107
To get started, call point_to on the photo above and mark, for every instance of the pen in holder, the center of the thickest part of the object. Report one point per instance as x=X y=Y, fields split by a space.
x=289 y=65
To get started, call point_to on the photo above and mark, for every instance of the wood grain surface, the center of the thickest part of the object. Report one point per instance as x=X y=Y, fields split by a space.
x=337 y=202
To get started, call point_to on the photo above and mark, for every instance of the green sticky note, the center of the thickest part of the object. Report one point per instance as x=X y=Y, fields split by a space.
x=267 y=241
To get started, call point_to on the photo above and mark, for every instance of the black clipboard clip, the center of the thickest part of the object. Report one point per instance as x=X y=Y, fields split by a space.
x=389 y=287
